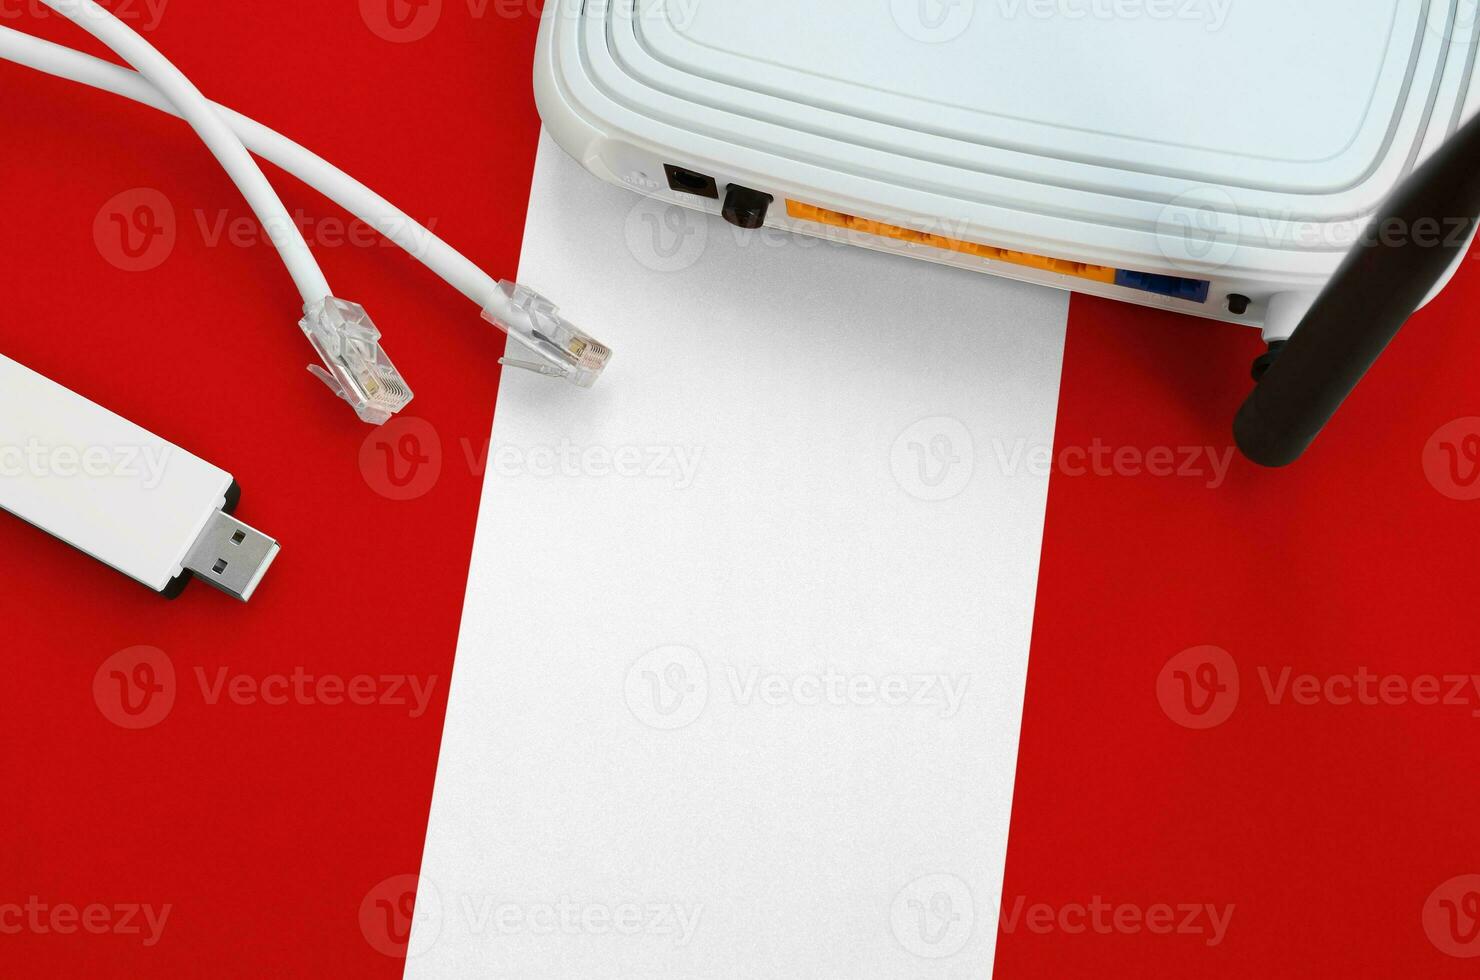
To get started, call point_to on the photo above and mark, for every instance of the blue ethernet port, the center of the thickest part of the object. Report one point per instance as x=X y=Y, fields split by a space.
x=1192 y=290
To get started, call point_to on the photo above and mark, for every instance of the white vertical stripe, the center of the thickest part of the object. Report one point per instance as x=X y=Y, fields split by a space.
x=741 y=521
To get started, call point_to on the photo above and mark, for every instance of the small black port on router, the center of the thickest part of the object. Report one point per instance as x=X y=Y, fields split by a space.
x=688 y=182
x=1238 y=304
x=745 y=208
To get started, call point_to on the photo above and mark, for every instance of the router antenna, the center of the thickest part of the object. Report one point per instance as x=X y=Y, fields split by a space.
x=1416 y=237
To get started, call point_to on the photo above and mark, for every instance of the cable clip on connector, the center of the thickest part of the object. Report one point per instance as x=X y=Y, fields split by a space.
x=355 y=367
x=561 y=349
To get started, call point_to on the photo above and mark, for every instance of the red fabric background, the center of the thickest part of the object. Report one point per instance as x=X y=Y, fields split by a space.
x=1326 y=826
x=266 y=828
x=263 y=826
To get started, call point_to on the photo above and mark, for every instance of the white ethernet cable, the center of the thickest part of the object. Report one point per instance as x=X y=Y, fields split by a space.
x=120 y=493
x=171 y=522
x=355 y=366
x=218 y=137
x=559 y=348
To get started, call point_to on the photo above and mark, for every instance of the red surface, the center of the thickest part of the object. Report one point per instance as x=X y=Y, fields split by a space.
x=268 y=829
x=262 y=826
x=1327 y=826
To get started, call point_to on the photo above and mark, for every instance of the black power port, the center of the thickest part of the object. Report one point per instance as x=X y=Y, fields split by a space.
x=745 y=208
x=688 y=182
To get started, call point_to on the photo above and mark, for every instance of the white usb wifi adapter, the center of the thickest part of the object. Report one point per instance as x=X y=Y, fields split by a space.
x=120 y=493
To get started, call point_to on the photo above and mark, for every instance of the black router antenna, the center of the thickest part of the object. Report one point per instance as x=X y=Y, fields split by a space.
x=1418 y=234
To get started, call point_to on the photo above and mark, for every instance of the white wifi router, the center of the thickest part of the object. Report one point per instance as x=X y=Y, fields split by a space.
x=1215 y=158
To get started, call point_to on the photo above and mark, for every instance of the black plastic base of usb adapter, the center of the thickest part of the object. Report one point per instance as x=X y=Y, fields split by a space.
x=176 y=588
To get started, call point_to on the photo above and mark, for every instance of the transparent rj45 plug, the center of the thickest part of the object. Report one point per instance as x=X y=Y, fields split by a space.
x=554 y=346
x=355 y=367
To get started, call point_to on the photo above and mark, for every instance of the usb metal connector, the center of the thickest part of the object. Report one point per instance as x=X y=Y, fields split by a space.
x=231 y=556
x=122 y=494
